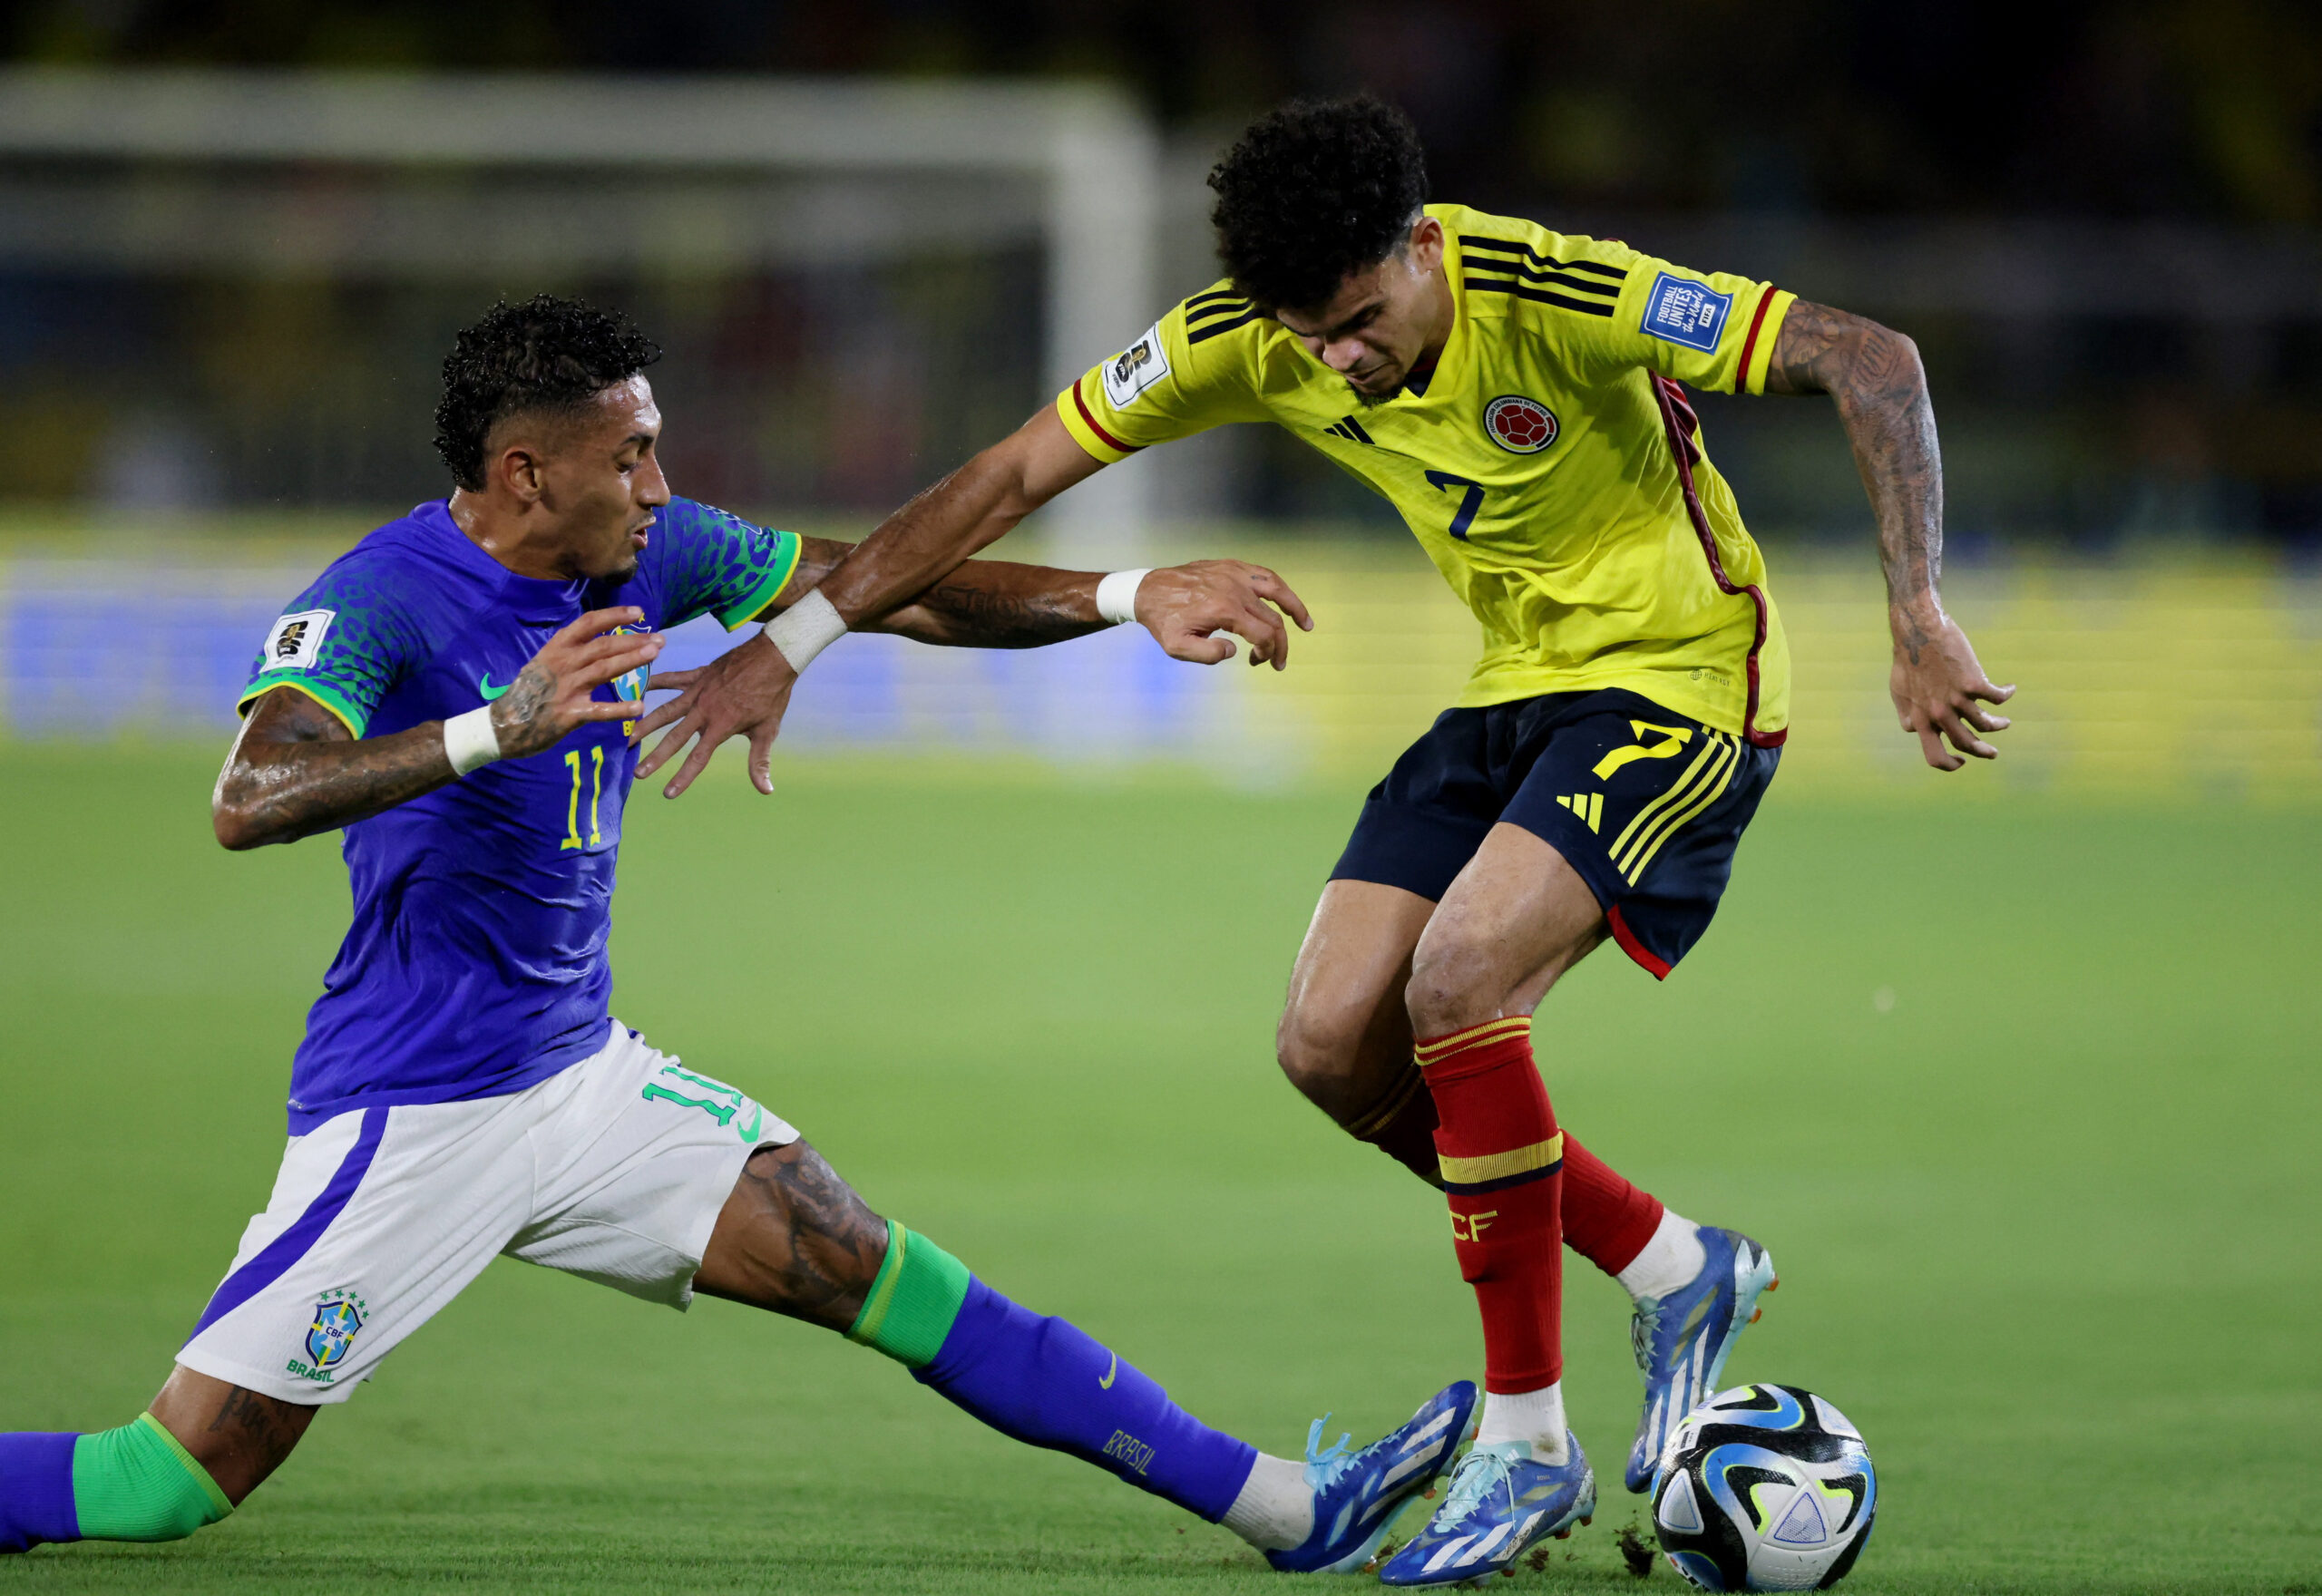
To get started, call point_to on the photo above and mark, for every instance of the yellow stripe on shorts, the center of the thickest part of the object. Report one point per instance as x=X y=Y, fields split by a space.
x=1705 y=792
x=1677 y=789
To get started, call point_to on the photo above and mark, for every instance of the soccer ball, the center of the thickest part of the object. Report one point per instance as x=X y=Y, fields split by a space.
x=1764 y=1488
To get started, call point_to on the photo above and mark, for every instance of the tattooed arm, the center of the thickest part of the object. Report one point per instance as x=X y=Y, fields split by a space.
x=295 y=770
x=982 y=604
x=891 y=579
x=1874 y=377
x=997 y=604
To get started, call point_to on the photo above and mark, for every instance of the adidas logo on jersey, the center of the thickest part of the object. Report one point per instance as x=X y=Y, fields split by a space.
x=1350 y=429
x=1589 y=807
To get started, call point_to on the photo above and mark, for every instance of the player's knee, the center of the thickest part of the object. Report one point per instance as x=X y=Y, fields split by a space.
x=1318 y=1045
x=1454 y=984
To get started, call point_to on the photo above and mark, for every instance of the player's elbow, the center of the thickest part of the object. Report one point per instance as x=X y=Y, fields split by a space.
x=234 y=819
x=233 y=828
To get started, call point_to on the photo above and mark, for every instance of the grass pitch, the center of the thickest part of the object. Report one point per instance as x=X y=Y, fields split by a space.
x=2023 y=1098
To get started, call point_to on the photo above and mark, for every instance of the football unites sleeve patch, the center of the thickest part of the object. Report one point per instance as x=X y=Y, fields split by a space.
x=718 y=564
x=1714 y=331
x=342 y=643
x=1686 y=312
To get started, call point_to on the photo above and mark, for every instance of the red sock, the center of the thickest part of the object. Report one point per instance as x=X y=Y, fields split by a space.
x=1501 y=1158
x=1606 y=1221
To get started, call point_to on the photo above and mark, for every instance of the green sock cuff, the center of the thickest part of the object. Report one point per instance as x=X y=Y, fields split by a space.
x=913 y=1301
x=137 y=1484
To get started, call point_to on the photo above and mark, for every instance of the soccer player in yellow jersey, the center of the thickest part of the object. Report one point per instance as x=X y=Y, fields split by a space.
x=1517 y=393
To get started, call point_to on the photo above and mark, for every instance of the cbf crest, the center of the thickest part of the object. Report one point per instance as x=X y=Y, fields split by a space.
x=629 y=687
x=338 y=1316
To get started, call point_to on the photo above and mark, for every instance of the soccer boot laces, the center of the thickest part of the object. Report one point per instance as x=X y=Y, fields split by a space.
x=1357 y=1493
x=1502 y=1501
x=1682 y=1340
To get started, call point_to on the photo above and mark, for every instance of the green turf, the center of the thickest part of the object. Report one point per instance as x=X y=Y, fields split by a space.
x=2046 y=1222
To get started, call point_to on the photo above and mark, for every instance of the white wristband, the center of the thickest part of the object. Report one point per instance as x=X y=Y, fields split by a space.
x=469 y=740
x=1116 y=595
x=805 y=630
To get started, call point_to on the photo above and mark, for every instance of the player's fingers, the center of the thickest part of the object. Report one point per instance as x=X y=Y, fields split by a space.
x=696 y=762
x=1268 y=586
x=669 y=747
x=1269 y=638
x=1983 y=720
x=762 y=758
x=597 y=622
x=610 y=663
x=670 y=681
x=1199 y=649
x=605 y=709
x=660 y=715
x=1984 y=690
x=1963 y=739
x=1938 y=755
x=612 y=643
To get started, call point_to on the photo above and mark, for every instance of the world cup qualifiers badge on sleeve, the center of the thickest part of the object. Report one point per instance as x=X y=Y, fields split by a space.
x=296 y=640
x=1685 y=312
x=1135 y=369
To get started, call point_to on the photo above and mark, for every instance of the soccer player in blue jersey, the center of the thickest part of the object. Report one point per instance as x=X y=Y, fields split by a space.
x=451 y=695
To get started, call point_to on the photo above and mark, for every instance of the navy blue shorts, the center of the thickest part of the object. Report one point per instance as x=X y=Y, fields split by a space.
x=1645 y=804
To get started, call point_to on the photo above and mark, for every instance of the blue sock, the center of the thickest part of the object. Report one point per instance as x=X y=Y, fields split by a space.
x=1043 y=1381
x=36 y=1490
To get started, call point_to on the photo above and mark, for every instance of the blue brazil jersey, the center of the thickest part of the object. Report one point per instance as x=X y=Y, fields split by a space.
x=476 y=962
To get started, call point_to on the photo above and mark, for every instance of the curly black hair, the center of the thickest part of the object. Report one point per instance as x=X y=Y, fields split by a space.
x=1314 y=190
x=546 y=354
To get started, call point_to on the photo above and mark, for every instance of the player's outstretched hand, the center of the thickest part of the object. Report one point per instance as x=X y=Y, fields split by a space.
x=550 y=695
x=1184 y=607
x=744 y=692
x=1936 y=685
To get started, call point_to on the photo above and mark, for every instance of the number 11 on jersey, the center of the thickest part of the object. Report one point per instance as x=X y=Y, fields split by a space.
x=596 y=796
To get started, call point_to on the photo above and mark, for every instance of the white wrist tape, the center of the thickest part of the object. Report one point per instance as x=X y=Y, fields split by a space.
x=469 y=740
x=1116 y=595
x=805 y=630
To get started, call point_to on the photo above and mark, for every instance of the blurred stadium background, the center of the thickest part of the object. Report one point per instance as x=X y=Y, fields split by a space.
x=234 y=241
x=2002 y=1064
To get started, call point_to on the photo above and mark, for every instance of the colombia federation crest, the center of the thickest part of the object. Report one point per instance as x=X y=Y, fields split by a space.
x=1519 y=424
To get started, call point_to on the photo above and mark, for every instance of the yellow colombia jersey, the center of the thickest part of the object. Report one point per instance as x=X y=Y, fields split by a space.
x=1540 y=466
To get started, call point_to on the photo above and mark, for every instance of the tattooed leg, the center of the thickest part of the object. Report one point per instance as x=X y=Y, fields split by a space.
x=239 y=1434
x=794 y=1238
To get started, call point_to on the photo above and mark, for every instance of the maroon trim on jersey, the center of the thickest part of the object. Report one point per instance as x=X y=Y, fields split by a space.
x=1657 y=968
x=1100 y=431
x=1678 y=420
x=1750 y=343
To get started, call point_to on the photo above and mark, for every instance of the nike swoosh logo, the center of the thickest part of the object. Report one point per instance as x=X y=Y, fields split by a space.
x=1107 y=1383
x=483 y=685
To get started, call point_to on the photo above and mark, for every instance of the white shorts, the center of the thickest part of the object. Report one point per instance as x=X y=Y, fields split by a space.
x=614 y=1170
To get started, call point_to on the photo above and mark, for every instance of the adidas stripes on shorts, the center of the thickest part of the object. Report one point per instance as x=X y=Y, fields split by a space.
x=1646 y=804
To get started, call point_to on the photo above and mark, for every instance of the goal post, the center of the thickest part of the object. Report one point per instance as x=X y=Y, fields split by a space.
x=210 y=170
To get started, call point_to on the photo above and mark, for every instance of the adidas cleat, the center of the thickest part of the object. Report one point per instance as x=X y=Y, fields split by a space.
x=1357 y=1494
x=1682 y=1340
x=1501 y=1502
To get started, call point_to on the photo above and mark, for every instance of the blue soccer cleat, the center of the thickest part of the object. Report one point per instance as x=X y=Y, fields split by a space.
x=1682 y=1340
x=1357 y=1494
x=1501 y=1502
